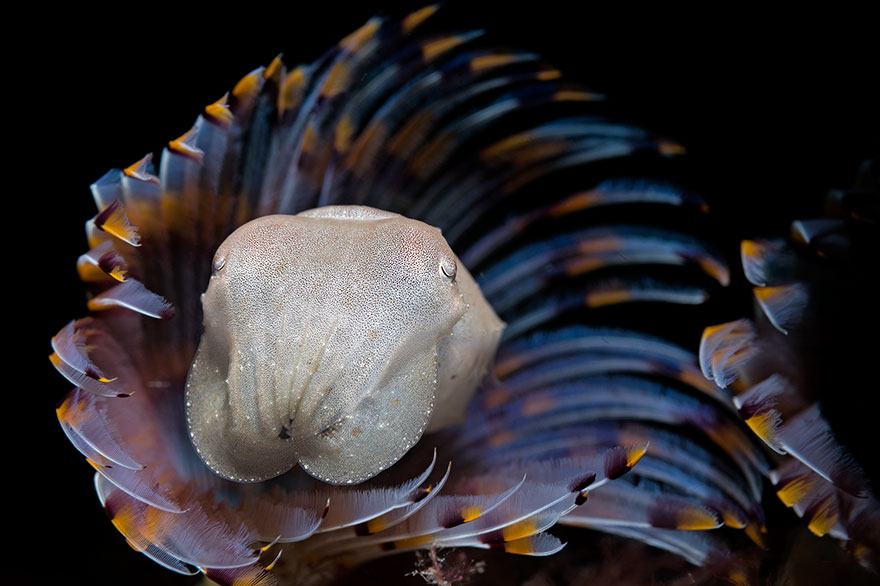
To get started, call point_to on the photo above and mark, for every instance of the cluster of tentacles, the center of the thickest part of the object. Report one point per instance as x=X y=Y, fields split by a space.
x=767 y=362
x=590 y=418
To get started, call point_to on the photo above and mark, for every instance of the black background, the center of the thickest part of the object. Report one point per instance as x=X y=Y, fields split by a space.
x=774 y=108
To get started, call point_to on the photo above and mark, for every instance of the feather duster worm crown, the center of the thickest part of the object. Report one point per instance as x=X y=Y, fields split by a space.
x=597 y=412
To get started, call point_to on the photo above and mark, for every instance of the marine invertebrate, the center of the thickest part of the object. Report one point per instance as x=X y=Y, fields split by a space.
x=647 y=358
x=333 y=339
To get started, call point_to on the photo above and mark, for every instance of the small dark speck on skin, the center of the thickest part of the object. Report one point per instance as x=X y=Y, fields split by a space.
x=331 y=429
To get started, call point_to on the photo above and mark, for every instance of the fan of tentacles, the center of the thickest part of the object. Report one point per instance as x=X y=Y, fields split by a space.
x=280 y=378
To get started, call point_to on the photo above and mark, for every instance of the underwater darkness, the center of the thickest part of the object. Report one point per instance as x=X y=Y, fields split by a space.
x=774 y=110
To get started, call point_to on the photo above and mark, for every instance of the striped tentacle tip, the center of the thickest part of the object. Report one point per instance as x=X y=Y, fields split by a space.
x=758 y=407
x=418 y=499
x=808 y=437
x=352 y=506
x=671 y=513
x=621 y=459
x=822 y=515
x=142 y=170
x=186 y=146
x=622 y=191
x=792 y=487
x=204 y=535
x=766 y=424
x=784 y=305
x=435 y=48
x=131 y=294
x=101 y=262
x=277 y=520
x=105 y=191
x=767 y=262
x=752 y=254
x=84 y=421
x=71 y=357
x=275 y=70
x=810 y=232
x=244 y=93
x=576 y=95
x=414 y=19
x=712 y=265
x=490 y=60
x=114 y=221
x=583 y=484
x=218 y=112
x=731 y=516
x=420 y=493
x=811 y=497
x=468 y=511
x=619 y=291
x=757 y=533
x=290 y=93
x=140 y=485
x=726 y=349
x=70 y=347
x=537 y=545
x=790 y=426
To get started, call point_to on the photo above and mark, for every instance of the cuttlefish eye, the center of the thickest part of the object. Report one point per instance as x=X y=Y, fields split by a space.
x=330 y=341
x=448 y=268
x=218 y=264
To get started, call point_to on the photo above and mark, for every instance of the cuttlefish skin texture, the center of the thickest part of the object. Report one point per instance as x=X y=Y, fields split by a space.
x=333 y=339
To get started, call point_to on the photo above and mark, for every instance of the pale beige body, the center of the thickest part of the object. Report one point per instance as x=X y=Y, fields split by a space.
x=333 y=339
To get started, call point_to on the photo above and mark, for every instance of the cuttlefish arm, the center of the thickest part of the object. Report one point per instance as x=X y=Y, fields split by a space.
x=333 y=339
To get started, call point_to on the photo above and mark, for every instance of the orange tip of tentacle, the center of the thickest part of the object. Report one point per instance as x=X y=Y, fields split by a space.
x=670 y=149
x=273 y=70
x=414 y=19
x=248 y=85
x=114 y=221
x=470 y=513
x=275 y=561
x=520 y=529
x=291 y=87
x=343 y=134
x=757 y=532
x=621 y=459
x=766 y=426
x=576 y=96
x=361 y=36
x=432 y=49
x=823 y=516
x=140 y=170
x=575 y=203
x=483 y=62
x=796 y=489
x=219 y=112
x=186 y=146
